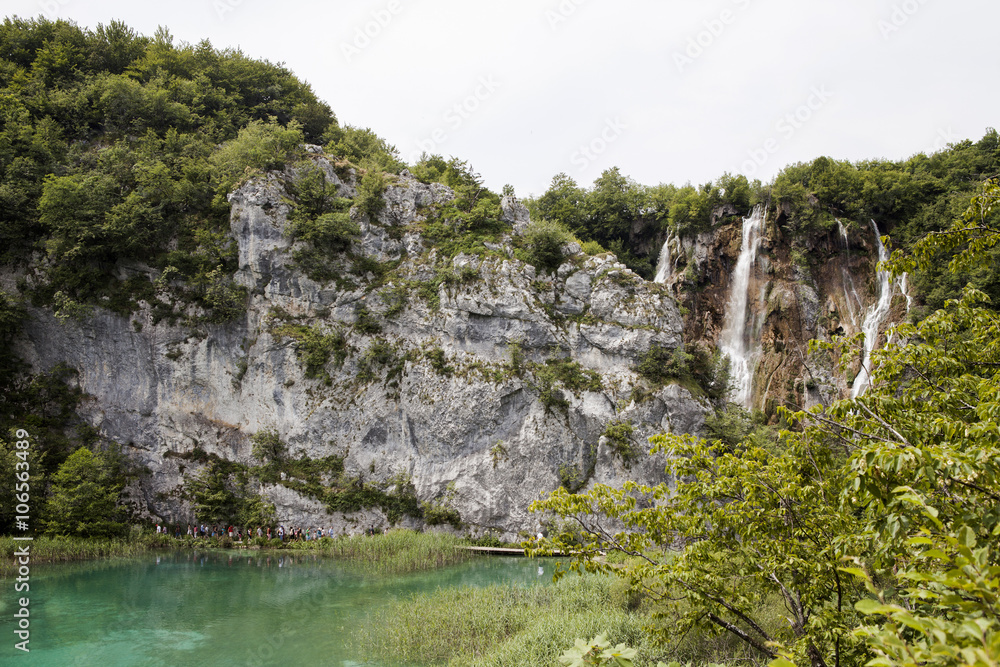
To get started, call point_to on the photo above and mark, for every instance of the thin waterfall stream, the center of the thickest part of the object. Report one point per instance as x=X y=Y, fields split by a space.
x=734 y=341
x=874 y=317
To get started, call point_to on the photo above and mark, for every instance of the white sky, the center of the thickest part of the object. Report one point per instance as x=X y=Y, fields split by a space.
x=626 y=78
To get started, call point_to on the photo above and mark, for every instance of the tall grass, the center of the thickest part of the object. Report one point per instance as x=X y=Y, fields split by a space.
x=48 y=549
x=503 y=625
x=396 y=552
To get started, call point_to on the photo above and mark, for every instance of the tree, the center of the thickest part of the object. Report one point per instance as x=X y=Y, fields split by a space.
x=874 y=522
x=219 y=496
x=85 y=497
x=23 y=467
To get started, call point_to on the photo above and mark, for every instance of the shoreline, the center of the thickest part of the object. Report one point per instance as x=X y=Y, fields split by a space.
x=398 y=550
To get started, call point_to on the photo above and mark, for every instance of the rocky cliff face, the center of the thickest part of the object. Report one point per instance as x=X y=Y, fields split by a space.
x=481 y=390
x=822 y=286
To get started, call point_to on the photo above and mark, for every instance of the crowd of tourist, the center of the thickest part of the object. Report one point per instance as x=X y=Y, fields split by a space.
x=241 y=533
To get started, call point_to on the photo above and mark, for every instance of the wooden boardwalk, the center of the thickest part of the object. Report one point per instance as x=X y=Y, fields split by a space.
x=507 y=551
x=498 y=551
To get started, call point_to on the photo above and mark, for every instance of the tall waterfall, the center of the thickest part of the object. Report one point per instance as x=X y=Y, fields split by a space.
x=734 y=340
x=663 y=264
x=874 y=317
x=851 y=298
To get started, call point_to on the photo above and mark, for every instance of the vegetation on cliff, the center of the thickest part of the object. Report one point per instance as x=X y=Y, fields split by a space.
x=874 y=522
x=907 y=199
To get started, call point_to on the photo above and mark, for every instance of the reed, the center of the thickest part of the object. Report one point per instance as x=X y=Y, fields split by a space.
x=503 y=625
x=396 y=552
x=49 y=549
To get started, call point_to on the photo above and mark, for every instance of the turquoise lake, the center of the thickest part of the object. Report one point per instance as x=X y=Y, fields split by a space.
x=220 y=608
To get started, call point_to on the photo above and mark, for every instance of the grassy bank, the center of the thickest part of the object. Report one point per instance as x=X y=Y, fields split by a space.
x=511 y=626
x=47 y=549
x=396 y=552
x=504 y=625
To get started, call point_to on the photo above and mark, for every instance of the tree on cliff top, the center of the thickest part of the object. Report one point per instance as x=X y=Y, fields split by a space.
x=875 y=526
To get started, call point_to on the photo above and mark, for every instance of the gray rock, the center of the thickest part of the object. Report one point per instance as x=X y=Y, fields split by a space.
x=480 y=430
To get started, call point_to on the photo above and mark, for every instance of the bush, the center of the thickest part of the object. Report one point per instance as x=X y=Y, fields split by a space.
x=258 y=147
x=314 y=347
x=543 y=243
x=707 y=372
x=439 y=514
x=267 y=446
x=619 y=434
x=370 y=200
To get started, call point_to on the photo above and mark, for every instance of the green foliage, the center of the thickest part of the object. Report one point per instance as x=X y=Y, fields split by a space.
x=441 y=511
x=314 y=347
x=258 y=147
x=396 y=499
x=620 y=215
x=23 y=467
x=471 y=218
x=439 y=361
x=571 y=478
x=222 y=493
x=267 y=446
x=701 y=370
x=620 y=435
x=729 y=425
x=598 y=651
x=45 y=404
x=12 y=313
x=543 y=243
x=110 y=152
x=321 y=220
x=363 y=148
x=366 y=322
x=501 y=625
x=874 y=521
x=550 y=378
x=85 y=497
x=690 y=211
x=396 y=551
x=370 y=193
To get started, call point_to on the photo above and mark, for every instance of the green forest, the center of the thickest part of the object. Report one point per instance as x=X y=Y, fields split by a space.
x=865 y=533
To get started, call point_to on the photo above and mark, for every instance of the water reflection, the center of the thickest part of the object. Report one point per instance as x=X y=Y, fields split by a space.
x=223 y=608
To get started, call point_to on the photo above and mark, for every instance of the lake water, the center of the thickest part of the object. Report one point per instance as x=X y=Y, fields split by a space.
x=219 y=608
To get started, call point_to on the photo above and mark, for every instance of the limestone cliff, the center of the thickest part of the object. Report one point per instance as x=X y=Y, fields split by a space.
x=475 y=380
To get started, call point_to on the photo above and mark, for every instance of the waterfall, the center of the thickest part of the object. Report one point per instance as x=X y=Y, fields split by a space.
x=874 y=317
x=851 y=298
x=733 y=342
x=663 y=266
x=904 y=287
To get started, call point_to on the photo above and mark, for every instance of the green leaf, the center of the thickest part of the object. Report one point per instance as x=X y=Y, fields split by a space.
x=781 y=662
x=868 y=606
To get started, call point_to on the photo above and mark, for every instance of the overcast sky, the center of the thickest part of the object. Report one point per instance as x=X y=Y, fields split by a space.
x=669 y=91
